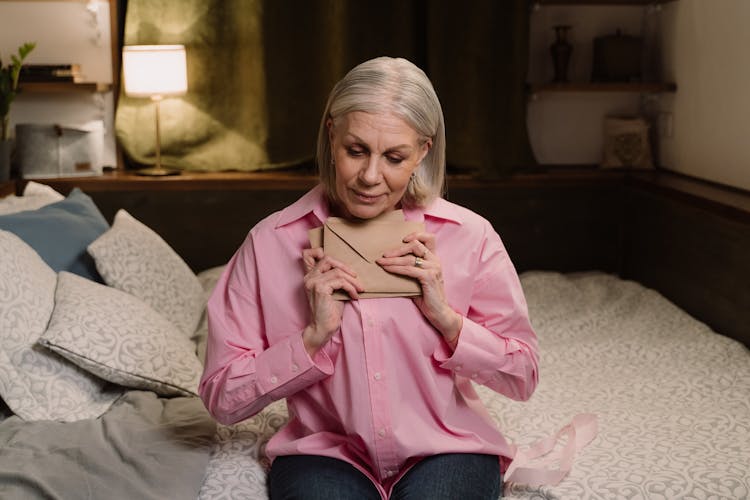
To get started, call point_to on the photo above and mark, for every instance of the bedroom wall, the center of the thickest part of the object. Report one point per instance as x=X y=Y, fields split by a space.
x=702 y=128
x=705 y=51
x=565 y=128
x=65 y=32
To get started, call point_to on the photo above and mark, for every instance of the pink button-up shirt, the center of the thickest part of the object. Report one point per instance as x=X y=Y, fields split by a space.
x=386 y=389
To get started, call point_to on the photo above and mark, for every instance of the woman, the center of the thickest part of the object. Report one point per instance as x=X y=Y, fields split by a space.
x=379 y=390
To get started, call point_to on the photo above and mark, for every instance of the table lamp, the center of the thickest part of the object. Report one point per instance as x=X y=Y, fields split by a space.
x=155 y=71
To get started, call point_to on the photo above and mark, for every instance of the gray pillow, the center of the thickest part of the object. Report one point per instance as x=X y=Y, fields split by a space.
x=133 y=258
x=35 y=196
x=37 y=384
x=120 y=338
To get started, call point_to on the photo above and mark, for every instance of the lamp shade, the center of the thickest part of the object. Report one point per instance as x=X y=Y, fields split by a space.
x=154 y=70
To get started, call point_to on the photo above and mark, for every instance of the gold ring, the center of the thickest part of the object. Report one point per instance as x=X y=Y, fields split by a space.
x=418 y=262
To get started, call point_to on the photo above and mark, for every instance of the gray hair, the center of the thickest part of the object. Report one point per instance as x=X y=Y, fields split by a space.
x=395 y=85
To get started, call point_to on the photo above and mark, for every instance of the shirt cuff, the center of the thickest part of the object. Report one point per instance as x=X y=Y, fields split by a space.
x=288 y=368
x=479 y=352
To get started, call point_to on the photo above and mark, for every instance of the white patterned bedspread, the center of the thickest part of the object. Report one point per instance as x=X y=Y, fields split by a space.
x=672 y=398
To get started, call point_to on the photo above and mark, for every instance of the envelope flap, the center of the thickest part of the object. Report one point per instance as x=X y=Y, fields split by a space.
x=316 y=234
x=372 y=238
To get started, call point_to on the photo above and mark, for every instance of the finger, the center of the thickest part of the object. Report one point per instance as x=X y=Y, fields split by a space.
x=425 y=276
x=329 y=274
x=310 y=256
x=430 y=280
x=427 y=239
x=332 y=280
x=327 y=263
x=327 y=287
x=350 y=288
x=316 y=252
x=313 y=257
x=408 y=260
x=414 y=247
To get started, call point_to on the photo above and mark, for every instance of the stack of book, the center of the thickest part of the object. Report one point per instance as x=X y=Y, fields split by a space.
x=51 y=73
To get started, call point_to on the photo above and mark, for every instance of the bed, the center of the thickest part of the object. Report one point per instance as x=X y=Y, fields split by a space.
x=91 y=409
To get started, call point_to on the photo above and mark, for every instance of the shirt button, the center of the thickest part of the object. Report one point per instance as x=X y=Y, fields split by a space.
x=295 y=367
x=274 y=379
x=474 y=375
x=458 y=368
x=389 y=473
x=381 y=433
x=377 y=376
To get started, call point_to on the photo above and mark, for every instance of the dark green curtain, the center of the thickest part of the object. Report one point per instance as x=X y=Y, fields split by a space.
x=477 y=61
x=259 y=72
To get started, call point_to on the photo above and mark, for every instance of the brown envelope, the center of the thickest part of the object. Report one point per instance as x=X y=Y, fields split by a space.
x=359 y=244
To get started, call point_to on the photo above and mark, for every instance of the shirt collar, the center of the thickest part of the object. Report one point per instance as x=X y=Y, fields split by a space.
x=438 y=209
x=314 y=201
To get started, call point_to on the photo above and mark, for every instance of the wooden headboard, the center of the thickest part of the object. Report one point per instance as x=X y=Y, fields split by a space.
x=691 y=242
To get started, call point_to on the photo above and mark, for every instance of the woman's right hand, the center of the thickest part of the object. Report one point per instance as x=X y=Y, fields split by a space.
x=324 y=276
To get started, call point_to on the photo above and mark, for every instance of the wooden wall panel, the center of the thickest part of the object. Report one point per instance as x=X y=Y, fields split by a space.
x=204 y=227
x=562 y=228
x=695 y=257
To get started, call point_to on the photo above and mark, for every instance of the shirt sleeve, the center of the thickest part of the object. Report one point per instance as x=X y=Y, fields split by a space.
x=497 y=346
x=243 y=373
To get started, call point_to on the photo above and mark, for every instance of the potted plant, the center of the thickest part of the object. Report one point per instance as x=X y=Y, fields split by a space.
x=8 y=89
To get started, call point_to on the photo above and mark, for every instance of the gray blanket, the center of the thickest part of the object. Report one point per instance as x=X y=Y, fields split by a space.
x=144 y=447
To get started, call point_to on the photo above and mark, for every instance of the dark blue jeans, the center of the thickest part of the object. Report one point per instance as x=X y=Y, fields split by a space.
x=453 y=476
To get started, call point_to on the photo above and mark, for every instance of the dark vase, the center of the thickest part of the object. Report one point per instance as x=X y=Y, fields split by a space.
x=561 y=51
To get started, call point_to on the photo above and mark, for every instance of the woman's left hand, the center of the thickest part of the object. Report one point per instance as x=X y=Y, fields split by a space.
x=417 y=259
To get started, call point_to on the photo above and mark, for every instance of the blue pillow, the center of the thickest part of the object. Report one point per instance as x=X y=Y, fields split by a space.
x=60 y=232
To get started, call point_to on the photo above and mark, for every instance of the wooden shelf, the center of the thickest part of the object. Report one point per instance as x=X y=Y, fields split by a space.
x=602 y=2
x=125 y=180
x=641 y=88
x=63 y=87
x=726 y=200
x=122 y=180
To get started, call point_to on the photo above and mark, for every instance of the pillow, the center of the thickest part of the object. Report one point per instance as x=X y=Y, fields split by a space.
x=60 y=232
x=37 y=384
x=120 y=338
x=35 y=196
x=38 y=190
x=133 y=258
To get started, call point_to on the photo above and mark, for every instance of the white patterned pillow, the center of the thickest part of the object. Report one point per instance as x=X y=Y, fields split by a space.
x=43 y=191
x=35 y=196
x=35 y=383
x=133 y=258
x=120 y=338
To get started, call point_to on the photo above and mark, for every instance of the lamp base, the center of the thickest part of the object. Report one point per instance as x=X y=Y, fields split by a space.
x=157 y=171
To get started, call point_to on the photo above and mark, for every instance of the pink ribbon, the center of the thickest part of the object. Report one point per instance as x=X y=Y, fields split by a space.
x=580 y=431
